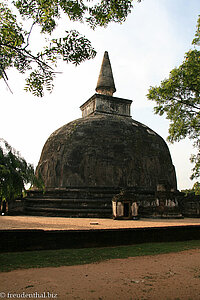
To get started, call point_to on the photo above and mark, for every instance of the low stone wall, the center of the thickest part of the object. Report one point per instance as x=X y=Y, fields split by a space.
x=28 y=240
x=190 y=206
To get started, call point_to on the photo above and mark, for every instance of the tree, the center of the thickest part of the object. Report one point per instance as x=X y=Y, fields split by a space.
x=194 y=190
x=15 y=172
x=179 y=98
x=15 y=45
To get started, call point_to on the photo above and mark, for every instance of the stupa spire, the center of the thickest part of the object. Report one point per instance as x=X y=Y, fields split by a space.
x=105 y=83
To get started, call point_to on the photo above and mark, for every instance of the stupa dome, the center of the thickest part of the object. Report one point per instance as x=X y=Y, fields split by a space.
x=106 y=147
x=106 y=151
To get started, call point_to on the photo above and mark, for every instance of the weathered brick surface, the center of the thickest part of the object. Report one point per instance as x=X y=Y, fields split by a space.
x=106 y=151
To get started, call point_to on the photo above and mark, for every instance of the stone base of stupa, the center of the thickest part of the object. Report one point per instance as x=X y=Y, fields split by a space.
x=93 y=202
x=71 y=202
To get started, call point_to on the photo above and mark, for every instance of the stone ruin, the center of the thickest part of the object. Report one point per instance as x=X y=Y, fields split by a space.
x=87 y=162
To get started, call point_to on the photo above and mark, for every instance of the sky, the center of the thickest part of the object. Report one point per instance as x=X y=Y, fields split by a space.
x=142 y=51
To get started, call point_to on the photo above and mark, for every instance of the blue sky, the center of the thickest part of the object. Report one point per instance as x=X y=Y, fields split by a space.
x=142 y=51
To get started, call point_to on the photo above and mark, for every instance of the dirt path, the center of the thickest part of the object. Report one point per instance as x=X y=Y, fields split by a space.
x=163 y=277
x=54 y=223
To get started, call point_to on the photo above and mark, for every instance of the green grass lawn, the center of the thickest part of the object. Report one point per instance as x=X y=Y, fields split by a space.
x=67 y=257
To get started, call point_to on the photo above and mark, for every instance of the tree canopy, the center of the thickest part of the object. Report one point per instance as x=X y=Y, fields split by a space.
x=179 y=98
x=16 y=48
x=15 y=172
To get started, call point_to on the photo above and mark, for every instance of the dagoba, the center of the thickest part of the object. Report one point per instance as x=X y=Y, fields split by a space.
x=87 y=161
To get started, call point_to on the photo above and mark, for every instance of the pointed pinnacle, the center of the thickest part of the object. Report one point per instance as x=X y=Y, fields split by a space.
x=105 y=83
